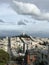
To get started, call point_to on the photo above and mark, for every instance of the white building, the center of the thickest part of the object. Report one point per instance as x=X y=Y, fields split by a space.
x=16 y=42
x=4 y=44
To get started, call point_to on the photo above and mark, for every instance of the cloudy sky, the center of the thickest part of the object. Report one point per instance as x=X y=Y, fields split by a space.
x=25 y=15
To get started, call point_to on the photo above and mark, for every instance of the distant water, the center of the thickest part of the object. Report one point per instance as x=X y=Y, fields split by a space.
x=42 y=35
x=9 y=33
x=16 y=33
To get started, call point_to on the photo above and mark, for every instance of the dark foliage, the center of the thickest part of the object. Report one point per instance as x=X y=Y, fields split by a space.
x=4 y=56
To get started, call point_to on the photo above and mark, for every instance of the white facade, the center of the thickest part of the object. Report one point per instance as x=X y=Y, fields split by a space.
x=4 y=44
x=16 y=42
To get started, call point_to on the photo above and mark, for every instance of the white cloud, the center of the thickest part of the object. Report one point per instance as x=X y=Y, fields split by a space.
x=25 y=8
x=29 y=9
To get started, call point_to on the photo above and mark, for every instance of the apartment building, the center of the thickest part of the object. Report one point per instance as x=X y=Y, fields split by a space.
x=4 y=43
x=16 y=42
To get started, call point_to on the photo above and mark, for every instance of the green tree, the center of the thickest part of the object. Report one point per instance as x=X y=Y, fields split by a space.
x=4 y=56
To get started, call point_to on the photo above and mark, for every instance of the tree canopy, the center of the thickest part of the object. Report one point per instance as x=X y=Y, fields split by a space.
x=4 y=56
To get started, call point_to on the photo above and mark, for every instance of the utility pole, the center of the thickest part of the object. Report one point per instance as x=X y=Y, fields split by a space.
x=9 y=48
x=27 y=46
x=48 y=54
x=23 y=47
